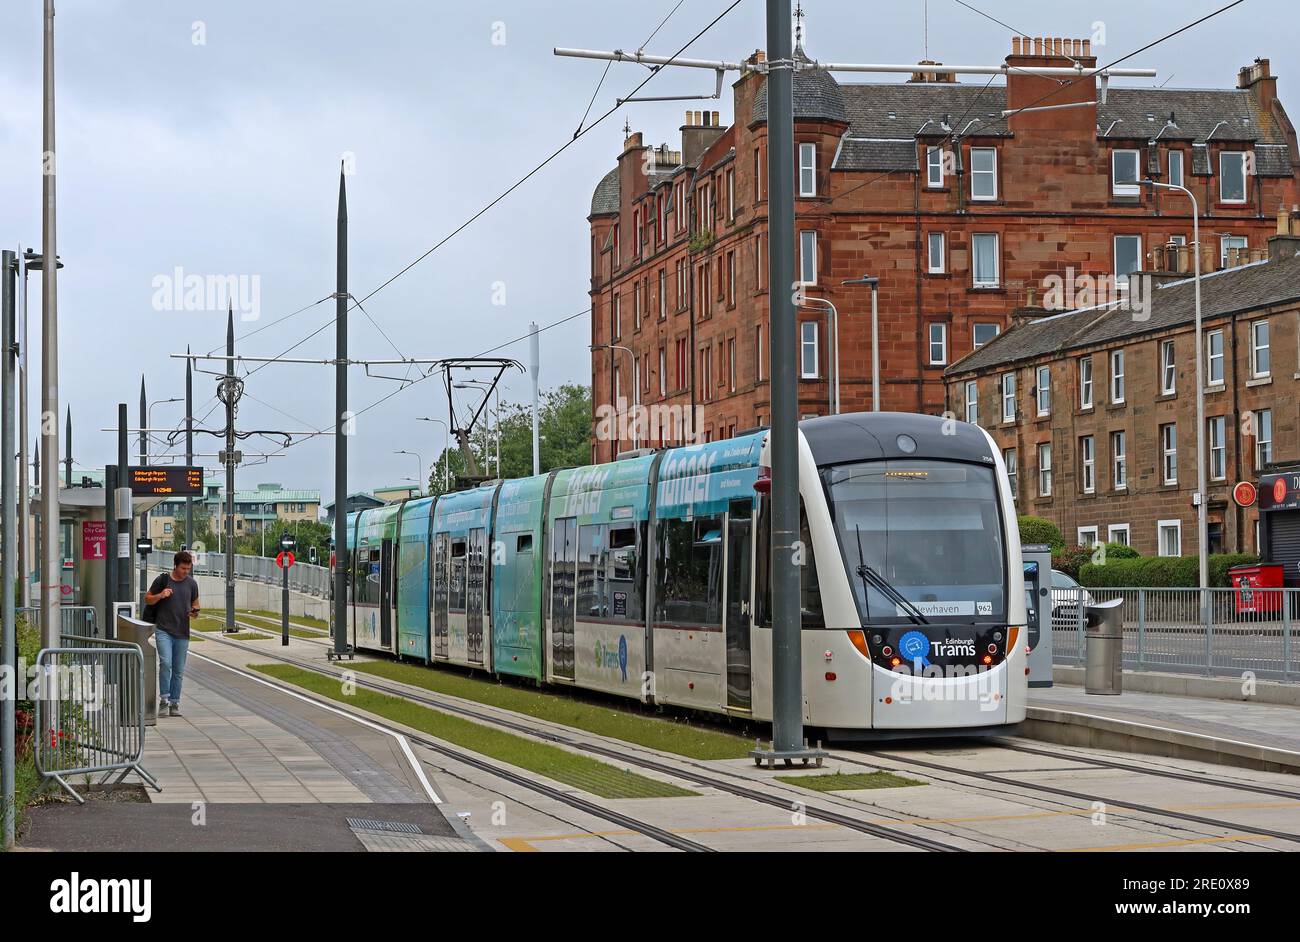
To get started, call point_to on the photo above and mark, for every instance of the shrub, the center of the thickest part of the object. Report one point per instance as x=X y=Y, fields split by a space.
x=1120 y=551
x=1037 y=530
x=1071 y=559
x=1160 y=571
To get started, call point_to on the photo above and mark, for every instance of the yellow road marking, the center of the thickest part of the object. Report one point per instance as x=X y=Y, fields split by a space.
x=1154 y=845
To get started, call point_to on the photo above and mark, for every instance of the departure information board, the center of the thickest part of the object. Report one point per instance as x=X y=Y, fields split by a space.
x=167 y=481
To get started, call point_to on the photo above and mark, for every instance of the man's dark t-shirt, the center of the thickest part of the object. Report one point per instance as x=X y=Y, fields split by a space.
x=174 y=611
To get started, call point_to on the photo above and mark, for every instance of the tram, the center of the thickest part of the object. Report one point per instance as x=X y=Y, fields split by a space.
x=648 y=578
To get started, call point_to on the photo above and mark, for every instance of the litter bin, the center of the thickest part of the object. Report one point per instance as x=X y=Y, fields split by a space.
x=1104 y=632
x=141 y=632
x=1258 y=588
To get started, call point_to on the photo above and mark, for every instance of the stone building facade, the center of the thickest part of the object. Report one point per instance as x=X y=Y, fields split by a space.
x=1095 y=409
x=962 y=214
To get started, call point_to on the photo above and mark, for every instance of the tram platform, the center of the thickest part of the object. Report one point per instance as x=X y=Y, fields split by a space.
x=1241 y=732
x=252 y=767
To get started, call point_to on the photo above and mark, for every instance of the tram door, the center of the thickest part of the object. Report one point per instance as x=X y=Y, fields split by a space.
x=440 y=543
x=564 y=563
x=386 y=594
x=740 y=528
x=474 y=595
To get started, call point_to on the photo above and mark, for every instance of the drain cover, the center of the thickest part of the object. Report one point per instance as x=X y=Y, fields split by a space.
x=399 y=827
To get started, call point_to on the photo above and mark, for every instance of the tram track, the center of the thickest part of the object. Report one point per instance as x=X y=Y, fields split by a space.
x=1052 y=790
x=695 y=775
x=1161 y=773
x=470 y=759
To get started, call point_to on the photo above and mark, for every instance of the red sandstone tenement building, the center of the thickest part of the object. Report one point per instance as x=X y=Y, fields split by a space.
x=1095 y=409
x=962 y=215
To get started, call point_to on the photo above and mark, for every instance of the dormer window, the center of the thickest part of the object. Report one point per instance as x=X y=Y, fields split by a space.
x=1232 y=176
x=1124 y=173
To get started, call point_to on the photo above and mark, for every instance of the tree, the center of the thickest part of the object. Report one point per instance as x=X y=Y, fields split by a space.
x=564 y=424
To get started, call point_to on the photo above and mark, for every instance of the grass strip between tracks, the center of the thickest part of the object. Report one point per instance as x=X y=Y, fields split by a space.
x=560 y=765
x=665 y=735
x=302 y=621
x=848 y=781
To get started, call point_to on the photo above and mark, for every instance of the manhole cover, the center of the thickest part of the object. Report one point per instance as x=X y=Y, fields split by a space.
x=398 y=827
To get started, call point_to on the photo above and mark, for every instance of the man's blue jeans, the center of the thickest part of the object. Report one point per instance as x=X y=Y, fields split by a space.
x=171 y=664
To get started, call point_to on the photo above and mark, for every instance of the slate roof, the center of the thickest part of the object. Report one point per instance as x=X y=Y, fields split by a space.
x=1242 y=289
x=605 y=199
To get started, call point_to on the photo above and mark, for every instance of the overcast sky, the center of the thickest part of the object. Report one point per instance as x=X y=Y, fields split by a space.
x=206 y=135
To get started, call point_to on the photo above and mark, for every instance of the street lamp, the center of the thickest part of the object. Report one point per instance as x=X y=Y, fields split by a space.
x=636 y=393
x=419 y=462
x=834 y=333
x=874 y=282
x=1202 y=527
x=446 y=457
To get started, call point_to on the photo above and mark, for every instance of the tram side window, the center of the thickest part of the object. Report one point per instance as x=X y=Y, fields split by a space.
x=610 y=574
x=689 y=572
x=625 y=572
x=810 y=596
x=592 y=600
x=456 y=590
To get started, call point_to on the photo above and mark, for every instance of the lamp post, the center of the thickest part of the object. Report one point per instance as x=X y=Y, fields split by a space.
x=32 y=261
x=1202 y=527
x=834 y=333
x=636 y=392
x=419 y=469
x=874 y=282
x=446 y=455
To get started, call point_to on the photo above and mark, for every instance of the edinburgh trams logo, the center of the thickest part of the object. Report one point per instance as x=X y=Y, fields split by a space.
x=608 y=656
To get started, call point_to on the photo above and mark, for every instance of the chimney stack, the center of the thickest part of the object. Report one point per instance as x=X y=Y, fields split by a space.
x=699 y=132
x=1026 y=90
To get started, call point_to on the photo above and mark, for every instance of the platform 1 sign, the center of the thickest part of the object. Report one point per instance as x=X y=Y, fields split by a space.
x=166 y=481
x=94 y=539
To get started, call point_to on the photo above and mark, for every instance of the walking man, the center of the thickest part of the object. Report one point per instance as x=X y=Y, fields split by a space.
x=175 y=599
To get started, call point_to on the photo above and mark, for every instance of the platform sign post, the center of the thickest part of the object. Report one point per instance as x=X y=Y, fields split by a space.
x=284 y=560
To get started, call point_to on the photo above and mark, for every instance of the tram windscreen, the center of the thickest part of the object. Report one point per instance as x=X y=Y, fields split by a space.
x=921 y=535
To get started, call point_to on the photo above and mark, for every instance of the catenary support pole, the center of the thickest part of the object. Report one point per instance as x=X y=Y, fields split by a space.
x=231 y=399
x=9 y=547
x=122 y=500
x=534 y=355
x=51 y=561
x=284 y=607
x=24 y=483
x=144 y=517
x=787 y=697
x=343 y=424
x=189 y=446
x=110 y=550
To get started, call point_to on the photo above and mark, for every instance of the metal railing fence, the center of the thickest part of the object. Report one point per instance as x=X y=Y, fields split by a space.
x=1166 y=630
x=303 y=577
x=79 y=621
x=90 y=704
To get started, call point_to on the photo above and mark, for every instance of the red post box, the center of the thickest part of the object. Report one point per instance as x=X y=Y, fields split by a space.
x=1259 y=588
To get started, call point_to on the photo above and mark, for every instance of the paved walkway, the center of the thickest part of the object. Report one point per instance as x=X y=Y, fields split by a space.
x=1273 y=726
x=251 y=767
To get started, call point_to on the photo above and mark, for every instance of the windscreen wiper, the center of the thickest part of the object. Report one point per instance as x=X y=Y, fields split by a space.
x=866 y=573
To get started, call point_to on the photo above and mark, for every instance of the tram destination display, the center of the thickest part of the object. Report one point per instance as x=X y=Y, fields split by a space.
x=166 y=481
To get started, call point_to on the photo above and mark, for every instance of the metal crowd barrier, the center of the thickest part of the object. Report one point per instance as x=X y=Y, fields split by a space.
x=303 y=577
x=1166 y=630
x=90 y=711
x=80 y=621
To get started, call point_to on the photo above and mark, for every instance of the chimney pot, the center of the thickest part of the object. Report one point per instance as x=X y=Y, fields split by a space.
x=1015 y=45
x=1087 y=47
x=1038 y=45
x=716 y=123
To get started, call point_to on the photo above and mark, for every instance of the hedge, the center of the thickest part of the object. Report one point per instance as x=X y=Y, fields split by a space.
x=1037 y=530
x=1160 y=571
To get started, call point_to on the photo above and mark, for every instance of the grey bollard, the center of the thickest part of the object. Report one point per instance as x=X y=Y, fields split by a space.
x=141 y=632
x=1104 y=633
